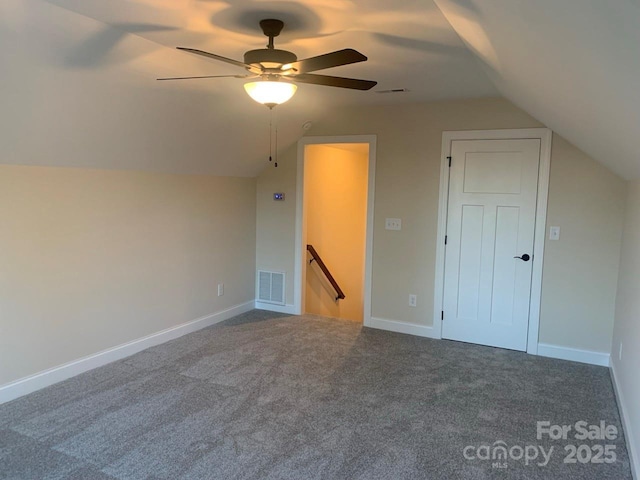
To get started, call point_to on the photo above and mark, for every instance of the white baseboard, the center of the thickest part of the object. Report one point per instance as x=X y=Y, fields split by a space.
x=401 y=327
x=57 y=374
x=290 y=309
x=634 y=453
x=573 y=354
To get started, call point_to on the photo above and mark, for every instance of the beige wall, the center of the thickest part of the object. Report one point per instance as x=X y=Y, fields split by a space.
x=336 y=211
x=627 y=324
x=90 y=259
x=407 y=180
x=581 y=269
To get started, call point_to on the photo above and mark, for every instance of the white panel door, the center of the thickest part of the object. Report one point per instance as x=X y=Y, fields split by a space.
x=490 y=222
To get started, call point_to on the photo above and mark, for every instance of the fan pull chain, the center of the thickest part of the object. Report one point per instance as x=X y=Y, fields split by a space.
x=276 y=164
x=270 y=133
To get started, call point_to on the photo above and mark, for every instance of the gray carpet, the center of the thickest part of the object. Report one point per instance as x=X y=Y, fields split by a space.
x=270 y=397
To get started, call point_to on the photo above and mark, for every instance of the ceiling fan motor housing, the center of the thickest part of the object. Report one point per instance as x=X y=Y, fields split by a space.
x=269 y=56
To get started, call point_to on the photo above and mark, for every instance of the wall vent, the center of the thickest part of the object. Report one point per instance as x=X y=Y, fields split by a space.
x=393 y=90
x=271 y=287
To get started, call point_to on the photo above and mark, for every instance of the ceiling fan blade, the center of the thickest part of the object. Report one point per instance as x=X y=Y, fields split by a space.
x=215 y=57
x=328 y=60
x=206 y=76
x=353 y=83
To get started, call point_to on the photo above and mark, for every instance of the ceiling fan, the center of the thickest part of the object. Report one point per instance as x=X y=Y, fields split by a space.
x=276 y=69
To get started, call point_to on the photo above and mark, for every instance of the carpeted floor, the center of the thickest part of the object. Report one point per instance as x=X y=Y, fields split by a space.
x=270 y=397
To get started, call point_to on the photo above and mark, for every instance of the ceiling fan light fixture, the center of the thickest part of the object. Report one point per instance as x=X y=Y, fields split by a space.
x=270 y=93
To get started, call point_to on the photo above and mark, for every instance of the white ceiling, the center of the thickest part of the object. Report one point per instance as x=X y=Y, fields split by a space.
x=409 y=43
x=78 y=76
x=572 y=64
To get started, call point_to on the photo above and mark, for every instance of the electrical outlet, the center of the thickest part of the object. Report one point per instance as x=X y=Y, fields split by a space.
x=220 y=289
x=620 y=352
x=393 y=224
x=413 y=300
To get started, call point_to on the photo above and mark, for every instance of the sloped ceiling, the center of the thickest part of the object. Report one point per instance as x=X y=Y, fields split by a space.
x=78 y=77
x=78 y=88
x=572 y=64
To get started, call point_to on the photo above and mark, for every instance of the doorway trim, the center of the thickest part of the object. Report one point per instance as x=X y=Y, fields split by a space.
x=300 y=265
x=545 y=137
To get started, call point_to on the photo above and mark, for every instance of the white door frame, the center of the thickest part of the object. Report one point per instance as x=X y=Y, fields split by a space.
x=300 y=269
x=545 y=136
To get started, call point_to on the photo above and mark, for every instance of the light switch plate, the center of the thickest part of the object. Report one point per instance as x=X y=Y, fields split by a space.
x=554 y=233
x=393 y=224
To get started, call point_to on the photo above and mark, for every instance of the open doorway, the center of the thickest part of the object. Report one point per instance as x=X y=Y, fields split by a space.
x=334 y=226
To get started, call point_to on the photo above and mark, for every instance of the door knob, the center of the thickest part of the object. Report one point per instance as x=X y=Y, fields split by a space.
x=525 y=257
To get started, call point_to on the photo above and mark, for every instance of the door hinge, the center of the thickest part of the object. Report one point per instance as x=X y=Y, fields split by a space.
x=445 y=239
x=449 y=158
x=442 y=315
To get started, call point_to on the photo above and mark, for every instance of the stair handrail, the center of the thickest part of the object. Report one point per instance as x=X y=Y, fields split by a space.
x=315 y=256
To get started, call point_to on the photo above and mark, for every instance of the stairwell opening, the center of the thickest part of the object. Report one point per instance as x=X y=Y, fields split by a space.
x=335 y=224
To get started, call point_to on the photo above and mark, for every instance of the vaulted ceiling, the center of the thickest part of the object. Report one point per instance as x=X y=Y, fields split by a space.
x=78 y=76
x=572 y=64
